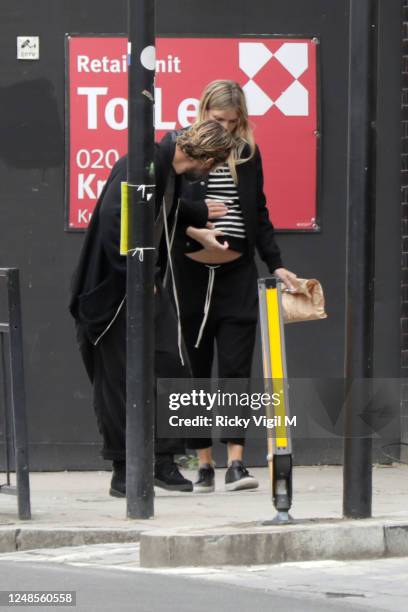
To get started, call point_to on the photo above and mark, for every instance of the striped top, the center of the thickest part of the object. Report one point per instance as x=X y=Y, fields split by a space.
x=221 y=187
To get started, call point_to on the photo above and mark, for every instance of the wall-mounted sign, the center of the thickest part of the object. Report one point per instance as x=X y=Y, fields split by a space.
x=28 y=47
x=278 y=75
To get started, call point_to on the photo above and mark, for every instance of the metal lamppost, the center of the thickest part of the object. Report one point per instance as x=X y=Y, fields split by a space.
x=357 y=474
x=140 y=264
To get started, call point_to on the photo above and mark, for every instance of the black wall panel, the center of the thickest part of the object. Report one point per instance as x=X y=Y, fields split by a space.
x=62 y=427
x=61 y=421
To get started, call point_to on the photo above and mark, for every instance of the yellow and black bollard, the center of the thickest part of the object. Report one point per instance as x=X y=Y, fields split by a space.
x=276 y=382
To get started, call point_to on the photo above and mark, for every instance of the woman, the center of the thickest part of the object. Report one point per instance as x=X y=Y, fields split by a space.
x=215 y=266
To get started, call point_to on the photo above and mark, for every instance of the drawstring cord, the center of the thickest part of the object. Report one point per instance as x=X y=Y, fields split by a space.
x=170 y=264
x=207 y=304
x=171 y=243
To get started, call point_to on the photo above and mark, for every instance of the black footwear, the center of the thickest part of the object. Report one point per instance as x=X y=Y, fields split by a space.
x=238 y=478
x=118 y=482
x=167 y=475
x=205 y=481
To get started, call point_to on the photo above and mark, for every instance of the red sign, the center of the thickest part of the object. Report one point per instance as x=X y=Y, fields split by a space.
x=278 y=76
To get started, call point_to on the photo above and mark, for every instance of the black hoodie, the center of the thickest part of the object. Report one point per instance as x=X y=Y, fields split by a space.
x=99 y=283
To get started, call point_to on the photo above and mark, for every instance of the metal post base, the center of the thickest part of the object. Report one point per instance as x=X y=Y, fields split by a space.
x=281 y=518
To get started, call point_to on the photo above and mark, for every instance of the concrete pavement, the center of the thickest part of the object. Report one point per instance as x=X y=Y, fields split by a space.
x=74 y=508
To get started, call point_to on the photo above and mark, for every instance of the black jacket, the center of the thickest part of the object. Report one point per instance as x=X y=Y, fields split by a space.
x=99 y=282
x=259 y=229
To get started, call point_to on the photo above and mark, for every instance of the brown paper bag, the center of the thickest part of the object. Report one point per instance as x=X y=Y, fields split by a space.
x=307 y=304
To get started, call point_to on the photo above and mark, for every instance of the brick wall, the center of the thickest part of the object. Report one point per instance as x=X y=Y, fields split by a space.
x=404 y=230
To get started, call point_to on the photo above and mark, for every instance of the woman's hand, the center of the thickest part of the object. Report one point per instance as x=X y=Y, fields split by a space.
x=289 y=278
x=216 y=209
x=207 y=237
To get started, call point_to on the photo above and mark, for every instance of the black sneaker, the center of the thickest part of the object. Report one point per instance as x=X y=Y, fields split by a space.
x=205 y=480
x=167 y=475
x=238 y=478
x=118 y=482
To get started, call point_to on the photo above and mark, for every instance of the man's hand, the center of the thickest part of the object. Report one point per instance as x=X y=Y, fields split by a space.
x=207 y=237
x=216 y=209
x=289 y=278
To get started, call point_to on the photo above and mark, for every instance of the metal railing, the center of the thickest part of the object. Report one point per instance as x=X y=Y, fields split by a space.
x=12 y=371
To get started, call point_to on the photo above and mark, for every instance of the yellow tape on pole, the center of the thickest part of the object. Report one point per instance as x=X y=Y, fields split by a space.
x=124 y=219
x=275 y=347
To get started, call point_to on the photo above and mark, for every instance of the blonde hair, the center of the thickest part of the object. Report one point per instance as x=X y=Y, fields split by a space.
x=223 y=95
x=205 y=140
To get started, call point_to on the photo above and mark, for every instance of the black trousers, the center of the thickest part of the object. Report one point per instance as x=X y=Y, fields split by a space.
x=231 y=322
x=105 y=364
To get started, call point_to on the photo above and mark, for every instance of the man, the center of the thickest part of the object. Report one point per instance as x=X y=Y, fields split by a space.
x=98 y=300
